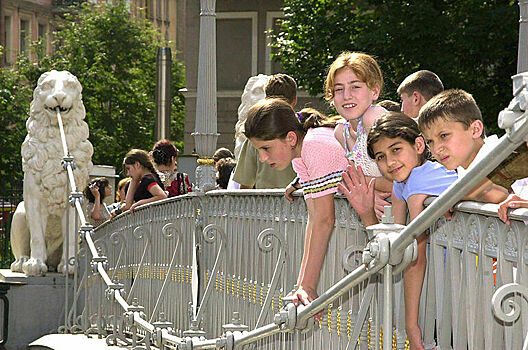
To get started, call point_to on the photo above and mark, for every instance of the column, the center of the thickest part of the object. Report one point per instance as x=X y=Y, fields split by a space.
x=205 y=134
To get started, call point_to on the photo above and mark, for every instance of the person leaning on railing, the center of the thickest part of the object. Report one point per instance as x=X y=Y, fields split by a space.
x=305 y=139
x=145 y=185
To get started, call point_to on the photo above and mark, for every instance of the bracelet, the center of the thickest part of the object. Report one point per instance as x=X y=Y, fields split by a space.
x=295 y=183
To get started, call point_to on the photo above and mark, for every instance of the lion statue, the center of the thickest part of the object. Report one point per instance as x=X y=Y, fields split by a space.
x=253 y=92
x=41 y=219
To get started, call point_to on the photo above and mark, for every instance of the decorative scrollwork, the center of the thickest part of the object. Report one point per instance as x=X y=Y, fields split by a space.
x=140 y=232
x=512 y=308
x=265 y=241
x=348 y=261
x=171 y=231
x=210 y=237
x=117 y=238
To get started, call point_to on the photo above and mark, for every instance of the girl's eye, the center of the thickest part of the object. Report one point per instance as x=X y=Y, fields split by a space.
x=444 y=135
x=380 y=157
x=338 y=89
x=395 y=149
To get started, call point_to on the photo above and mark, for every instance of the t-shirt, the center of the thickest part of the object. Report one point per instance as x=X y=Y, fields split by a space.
x=146 y=183
x=250 y=171
x=489 y=143
x=430 y=178
x=321 y=163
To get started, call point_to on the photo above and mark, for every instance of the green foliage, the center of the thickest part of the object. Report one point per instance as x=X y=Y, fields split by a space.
x=114 y=57
x=470 y=44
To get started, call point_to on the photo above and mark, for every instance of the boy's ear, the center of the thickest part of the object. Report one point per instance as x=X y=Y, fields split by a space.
x=419 y=144
x=477 y=128
x=418 y=99
x=375 y=93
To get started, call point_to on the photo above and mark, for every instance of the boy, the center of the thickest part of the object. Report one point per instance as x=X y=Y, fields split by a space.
x=250 y=172
x=452 y=125
x=416 y=90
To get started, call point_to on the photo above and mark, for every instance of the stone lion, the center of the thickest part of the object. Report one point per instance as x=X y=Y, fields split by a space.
x=40 y=220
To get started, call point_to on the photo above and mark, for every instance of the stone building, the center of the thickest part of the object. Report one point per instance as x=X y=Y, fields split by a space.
x=242 y=51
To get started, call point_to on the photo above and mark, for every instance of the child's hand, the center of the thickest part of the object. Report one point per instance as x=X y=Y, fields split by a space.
x=449 y=214
x=380 y=202
x=95 y=190
x=288 y=193
x=513 y=201
x=305 y=296
x=359 y=194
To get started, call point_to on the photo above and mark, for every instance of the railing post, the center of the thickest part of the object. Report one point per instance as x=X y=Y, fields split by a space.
x=163 y=93
x=205 y=134
x=522 y=56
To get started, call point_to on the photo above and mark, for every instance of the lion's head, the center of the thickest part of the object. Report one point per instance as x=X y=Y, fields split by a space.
x=58 y=90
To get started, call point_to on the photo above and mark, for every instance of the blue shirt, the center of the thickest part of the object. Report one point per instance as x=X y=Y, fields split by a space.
x=430 y=178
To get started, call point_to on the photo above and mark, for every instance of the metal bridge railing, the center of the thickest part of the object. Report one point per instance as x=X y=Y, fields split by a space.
x=228 y=252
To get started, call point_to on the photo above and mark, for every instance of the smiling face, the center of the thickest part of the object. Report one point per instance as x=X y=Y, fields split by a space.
x=452 y=144
x=396 y=157
x=352 y=96
x=278 y=153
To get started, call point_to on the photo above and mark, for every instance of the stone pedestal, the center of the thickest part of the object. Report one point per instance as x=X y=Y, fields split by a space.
x=35 y=307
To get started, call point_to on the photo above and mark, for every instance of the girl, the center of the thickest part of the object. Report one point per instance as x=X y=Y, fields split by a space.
x=354 y=81
x=122 y=188
x=165 y=155
x=306 y=140
x=145 y=184
x=399 y=150
x=96 y=191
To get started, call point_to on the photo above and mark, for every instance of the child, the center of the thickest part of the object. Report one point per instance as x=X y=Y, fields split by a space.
x=416 y=90
x=399 y=150
x=249 y=172
x=305 y=139
x=165 y=156
x=224 y=169
x=96 y=191
x=145 y=184
x=452 y=125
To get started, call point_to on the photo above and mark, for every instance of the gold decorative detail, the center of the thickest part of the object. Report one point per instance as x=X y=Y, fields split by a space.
x=205 y=161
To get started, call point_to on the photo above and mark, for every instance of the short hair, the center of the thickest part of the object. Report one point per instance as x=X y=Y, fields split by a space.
x=364 y=66
x=222 y=152
x=224 y=167
x=427 y=83
x=281 y=86
x=390 y=106
x=451 y=105
x=393 y=125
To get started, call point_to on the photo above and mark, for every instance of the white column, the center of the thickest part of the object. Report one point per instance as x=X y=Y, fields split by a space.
x=205 y=134
x=522 y=57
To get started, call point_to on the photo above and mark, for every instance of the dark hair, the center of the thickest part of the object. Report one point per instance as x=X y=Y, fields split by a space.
x=390 y=106
x=122 y=183
x=425 y=82
x=281 y=86
x=451 y=105
x=393 y=125
x=224 y=167
x=163 y=151
x=100 y=182
x=142 y=157
x=222 y=153
x=273 y=119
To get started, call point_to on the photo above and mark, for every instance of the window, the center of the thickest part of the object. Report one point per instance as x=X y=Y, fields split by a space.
x=24 y=35
x=42 y=31
x=7 y=40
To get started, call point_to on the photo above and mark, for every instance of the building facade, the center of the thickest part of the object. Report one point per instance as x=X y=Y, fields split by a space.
x=242 y=51
x=21 y=23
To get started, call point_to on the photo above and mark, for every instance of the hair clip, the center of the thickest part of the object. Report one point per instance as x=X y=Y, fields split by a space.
x=301 y=117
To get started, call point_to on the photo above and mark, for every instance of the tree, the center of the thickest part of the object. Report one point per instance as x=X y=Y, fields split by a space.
x=114 y=57
x=470 y=44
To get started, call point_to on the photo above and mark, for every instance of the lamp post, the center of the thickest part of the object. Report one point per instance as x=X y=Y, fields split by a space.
x=522 y=57
x=205 y=134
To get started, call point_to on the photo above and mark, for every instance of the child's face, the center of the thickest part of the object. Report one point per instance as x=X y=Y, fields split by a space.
x=108 y=190
x=133 y=170
x=409 y=105
x=396 y=158
x=277 y=153
x=352 y=96
x=452 y=144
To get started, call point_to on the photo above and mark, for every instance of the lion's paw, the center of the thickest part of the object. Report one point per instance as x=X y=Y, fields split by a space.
x=34 y=267
x=16 y=266
x=62 y=268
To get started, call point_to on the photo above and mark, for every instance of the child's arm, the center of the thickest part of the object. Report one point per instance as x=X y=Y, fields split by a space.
x=382 y=184
x=338 y=134
x=399 y=210
x=157 y=194
x=487 y=192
